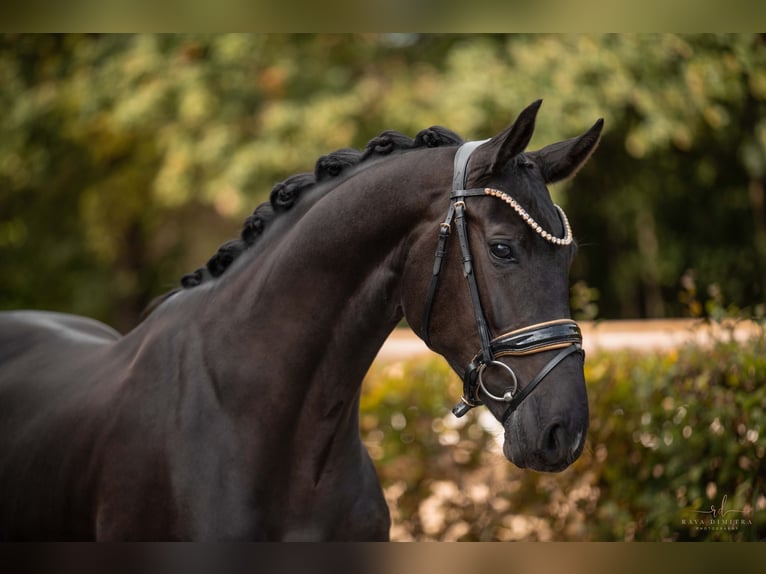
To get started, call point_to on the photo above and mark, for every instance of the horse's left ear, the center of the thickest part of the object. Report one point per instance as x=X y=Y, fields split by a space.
x=562 y=160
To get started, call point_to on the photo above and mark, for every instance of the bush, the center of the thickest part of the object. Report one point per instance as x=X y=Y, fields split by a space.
x=671 y=436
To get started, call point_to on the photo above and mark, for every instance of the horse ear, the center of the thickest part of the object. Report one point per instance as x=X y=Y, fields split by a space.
x=562 y=160
x=509 y=143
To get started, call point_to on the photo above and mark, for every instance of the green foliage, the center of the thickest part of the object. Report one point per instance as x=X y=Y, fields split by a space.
x=126 y=159
x=671 y=435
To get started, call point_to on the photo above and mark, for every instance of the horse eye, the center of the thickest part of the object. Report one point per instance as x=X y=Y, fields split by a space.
x=502 y=251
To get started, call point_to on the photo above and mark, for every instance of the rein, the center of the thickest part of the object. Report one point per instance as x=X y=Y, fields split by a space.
x=563 y=334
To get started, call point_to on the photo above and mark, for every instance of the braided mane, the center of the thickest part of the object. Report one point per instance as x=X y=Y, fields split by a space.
x=285 y=194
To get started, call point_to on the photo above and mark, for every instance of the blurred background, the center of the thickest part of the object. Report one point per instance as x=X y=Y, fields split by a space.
x=125 y=160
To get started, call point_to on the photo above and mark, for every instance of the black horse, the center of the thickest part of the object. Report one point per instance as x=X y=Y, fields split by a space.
x=231 y=410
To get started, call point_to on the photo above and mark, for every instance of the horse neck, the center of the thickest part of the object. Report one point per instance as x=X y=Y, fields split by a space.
x=307 y=316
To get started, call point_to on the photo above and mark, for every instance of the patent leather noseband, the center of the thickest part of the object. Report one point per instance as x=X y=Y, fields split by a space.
x=563 y=334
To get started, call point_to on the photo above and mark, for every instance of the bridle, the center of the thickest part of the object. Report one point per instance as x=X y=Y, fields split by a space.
x=562 y=334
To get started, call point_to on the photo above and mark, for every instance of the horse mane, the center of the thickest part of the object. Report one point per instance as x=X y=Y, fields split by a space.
x=284 y=195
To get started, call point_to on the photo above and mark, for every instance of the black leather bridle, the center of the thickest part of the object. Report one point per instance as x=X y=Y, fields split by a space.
x=563 y=334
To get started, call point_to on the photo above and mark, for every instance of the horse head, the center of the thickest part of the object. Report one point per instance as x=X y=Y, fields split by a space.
x=496 y=305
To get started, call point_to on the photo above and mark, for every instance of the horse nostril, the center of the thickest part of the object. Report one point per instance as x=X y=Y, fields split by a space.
x=555 y=442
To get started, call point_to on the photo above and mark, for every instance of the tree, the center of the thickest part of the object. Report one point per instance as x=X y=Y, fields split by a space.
x=125 y=160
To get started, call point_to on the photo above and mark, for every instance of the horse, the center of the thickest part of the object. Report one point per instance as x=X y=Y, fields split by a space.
x=231 y=410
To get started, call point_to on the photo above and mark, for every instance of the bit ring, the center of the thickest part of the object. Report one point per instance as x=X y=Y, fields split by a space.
x=509 y=392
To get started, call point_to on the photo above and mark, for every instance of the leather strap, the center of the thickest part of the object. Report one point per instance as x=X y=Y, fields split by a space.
x=525 y=392
x=460 y=171
x=473 y=287
x=441 y=251
x=459 y=176
x=537 y=338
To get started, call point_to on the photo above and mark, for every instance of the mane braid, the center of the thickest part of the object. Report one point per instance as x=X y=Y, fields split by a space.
x=335 y=163
x=284 y=195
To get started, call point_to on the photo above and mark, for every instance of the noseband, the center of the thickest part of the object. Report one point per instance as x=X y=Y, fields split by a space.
x=561 y=334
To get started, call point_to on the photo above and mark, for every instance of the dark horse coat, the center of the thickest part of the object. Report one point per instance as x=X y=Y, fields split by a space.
x=231 y=410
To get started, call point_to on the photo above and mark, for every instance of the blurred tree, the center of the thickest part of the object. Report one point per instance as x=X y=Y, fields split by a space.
x=125 y=159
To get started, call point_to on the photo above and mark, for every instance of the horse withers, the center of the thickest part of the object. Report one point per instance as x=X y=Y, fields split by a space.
x=231 y=410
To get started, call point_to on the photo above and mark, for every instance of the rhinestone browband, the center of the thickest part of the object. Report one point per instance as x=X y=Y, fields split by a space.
x=566 y=240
